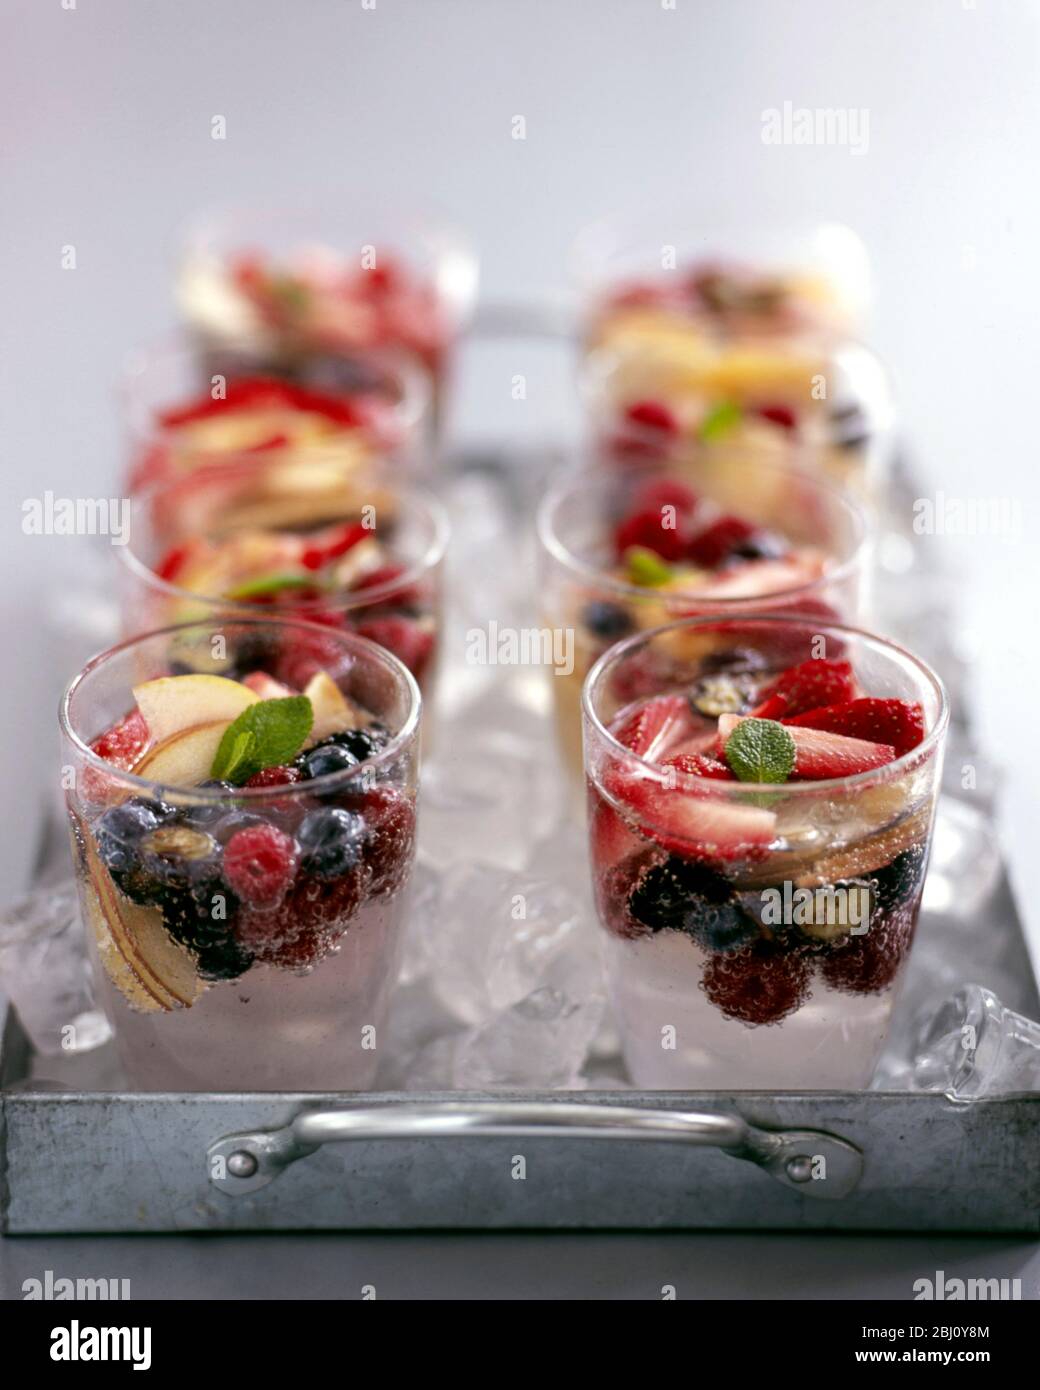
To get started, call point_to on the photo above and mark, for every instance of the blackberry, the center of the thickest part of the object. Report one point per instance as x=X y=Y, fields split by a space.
x=202 y=918
x=608 y=621
x=333 y=841
x=691 y=898
x=899 y=882
x=360 y=743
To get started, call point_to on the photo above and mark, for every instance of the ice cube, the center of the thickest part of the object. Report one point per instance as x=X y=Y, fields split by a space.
x=541 y=1042
x=973 y=1046
x=45 y=972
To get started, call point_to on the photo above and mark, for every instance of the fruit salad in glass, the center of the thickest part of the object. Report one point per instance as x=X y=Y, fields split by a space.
x=626 y=550
x=744 y=339
x=761 y=793
x=179 y=420
x=306 y=293
x=353 y=551
x=241 y=798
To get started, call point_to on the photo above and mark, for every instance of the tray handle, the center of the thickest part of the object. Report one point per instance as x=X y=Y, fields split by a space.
x=810 y=1161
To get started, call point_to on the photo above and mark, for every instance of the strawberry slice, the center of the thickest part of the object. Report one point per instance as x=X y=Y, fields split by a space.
x=652 y=415
x=898 y=722
x=696 y=826
x=700 y=765
x=329 y=545
x=652 y=726
x=819 y=755
x=807 y=686
x=611 y=839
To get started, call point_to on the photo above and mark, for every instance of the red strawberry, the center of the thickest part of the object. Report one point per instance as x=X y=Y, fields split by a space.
x=700 y=765
x=781 y=415
x=649 y=530
x=762 y=983
x=408 y=641
x=610 y=838
x=819 y=755
x=692 y=825
x=653 y=725
x=711 y=546
x=804 y=687
x=329 y=545
x=172 y=562
x=898 y=722
x=652 y=415
x=260 y=863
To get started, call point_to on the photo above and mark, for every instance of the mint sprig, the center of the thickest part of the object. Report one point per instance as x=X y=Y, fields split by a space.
x=760 y=750
x=265 y=734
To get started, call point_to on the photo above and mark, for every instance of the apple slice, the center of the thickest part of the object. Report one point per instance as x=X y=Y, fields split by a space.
x=150 y=969
x=333 y=712
x=172 y=704
x=266 y=687
x=184 y=759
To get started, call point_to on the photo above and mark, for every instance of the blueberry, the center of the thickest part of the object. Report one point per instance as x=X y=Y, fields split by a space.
x=607 y=620
x=760 y=545
x=120 y=830
x=332 y=840
x=680 y=896
x=326 y=758
x=179 y=853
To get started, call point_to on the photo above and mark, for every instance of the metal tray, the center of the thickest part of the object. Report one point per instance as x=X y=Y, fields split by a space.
x=80 y=1154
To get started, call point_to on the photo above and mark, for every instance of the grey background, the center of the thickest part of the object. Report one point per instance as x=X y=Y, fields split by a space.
x=106 y=112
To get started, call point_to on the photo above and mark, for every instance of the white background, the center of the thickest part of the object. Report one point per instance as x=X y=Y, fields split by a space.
x=106 y=113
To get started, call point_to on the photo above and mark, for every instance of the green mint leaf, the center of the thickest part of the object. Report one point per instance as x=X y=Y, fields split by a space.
x=265 y=734
x=646 y=567
x=266 y=584
x=239 y=757
x=720 y=420
x=760 y=750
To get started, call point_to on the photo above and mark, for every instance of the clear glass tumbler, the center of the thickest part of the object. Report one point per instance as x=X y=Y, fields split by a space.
x=246 y=935
x=757 y=931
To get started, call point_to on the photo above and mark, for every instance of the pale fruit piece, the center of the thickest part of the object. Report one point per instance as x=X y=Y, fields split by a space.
x=151 y=970
x=174 y=703
x=333 y=712
x=185 y=759
x=864 y=858
x=266 y=687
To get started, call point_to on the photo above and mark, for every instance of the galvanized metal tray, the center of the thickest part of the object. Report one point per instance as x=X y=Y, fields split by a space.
x=79 y=1153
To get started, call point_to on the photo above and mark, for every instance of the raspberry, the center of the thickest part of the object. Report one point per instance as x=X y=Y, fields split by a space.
x=869 y=964
x=259 y=863
x=123 y=743
x=274 y=777
x=304 y=654
x=412 y=596
x=762 y=983
x=389 y=844
x=648 y=530
x=408 y=641
x=717 y=541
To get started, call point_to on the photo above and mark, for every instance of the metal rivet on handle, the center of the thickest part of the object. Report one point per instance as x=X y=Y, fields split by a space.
x=798 y=1169
x=242 y=1164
